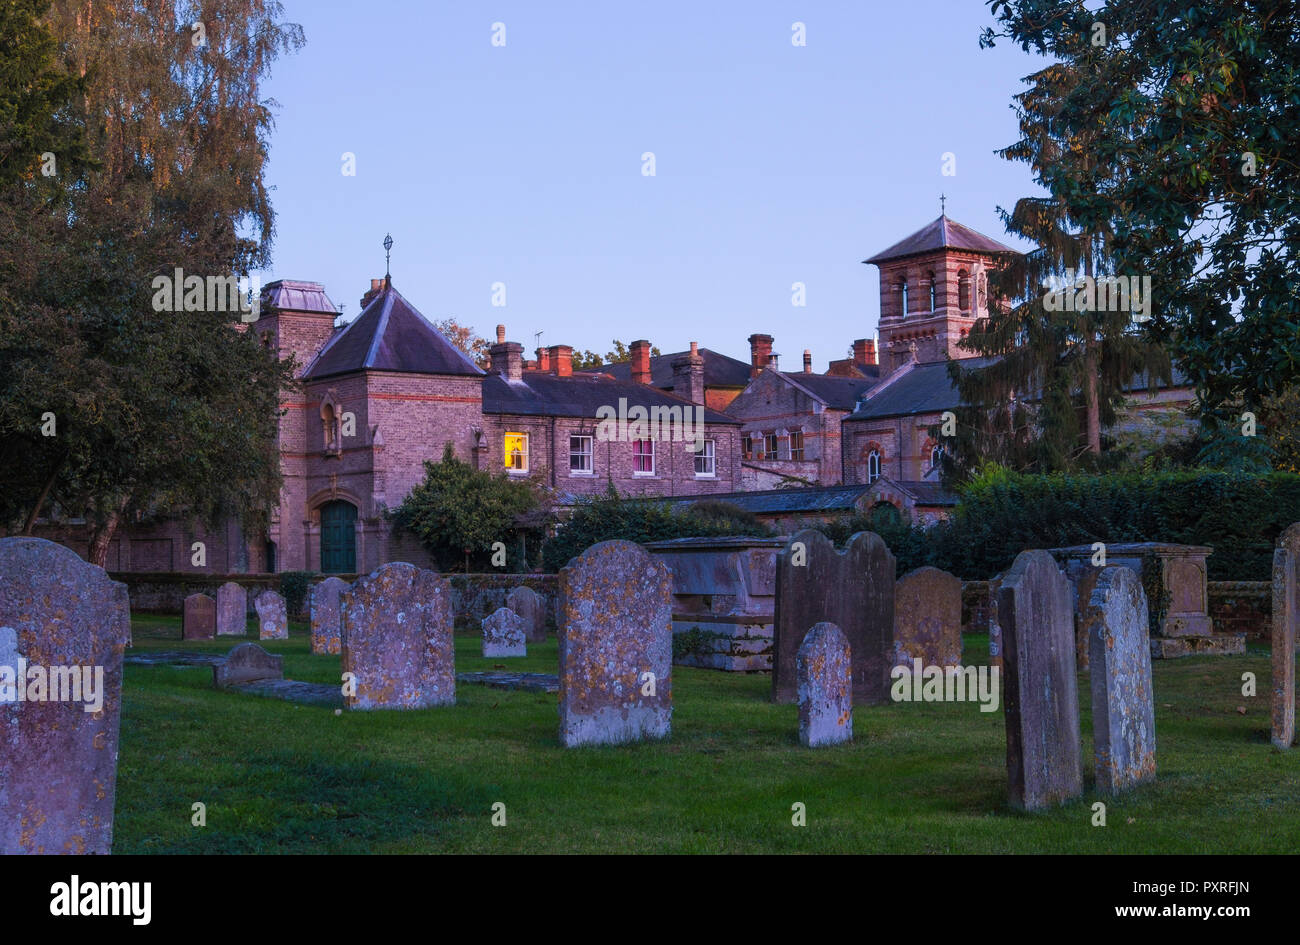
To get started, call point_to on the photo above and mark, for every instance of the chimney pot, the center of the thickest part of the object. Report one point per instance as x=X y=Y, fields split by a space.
x=807 y=361
x=543 y=359
x=501 y=334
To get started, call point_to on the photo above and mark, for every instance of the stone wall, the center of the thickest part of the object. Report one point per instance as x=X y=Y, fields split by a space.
x=1242 y=607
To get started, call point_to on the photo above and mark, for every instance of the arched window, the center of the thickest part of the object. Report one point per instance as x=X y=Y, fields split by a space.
x=934 y=300
x=963 y=290
x=902 y=290
x=873 y=466
x=936 y=456
x=329 y=420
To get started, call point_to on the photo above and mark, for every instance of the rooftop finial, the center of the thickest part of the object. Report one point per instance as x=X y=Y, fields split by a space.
x=942 y=200
x=388 y=246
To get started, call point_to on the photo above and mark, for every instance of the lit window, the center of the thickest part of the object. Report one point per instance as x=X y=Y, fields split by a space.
x=580 y=455
x=796 y=445
x=873 y=466
x=643 y=457
x=705 y=462
x=516 y=452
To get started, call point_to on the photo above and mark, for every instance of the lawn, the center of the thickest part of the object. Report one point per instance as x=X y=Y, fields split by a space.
x=919 y=778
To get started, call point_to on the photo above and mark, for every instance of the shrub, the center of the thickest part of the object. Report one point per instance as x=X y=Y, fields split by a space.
x=294 y=586
x=602 y=518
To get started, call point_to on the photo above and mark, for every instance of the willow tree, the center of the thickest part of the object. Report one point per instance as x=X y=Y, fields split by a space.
x=118 y=409
x=1059 y=340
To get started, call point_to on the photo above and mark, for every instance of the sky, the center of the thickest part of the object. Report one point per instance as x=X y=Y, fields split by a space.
x=523 y=164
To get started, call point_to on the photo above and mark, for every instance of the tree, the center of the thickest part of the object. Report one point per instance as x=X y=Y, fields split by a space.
x=154 y=412
x=1191 y=111
x=1072 y=356
x=466 y=339
x=588 y=360
x=459 y=513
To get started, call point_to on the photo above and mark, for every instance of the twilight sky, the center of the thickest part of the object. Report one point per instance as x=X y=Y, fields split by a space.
x=522 y=164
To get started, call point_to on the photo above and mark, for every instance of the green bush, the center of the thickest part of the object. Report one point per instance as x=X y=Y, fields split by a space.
x=602 y=518
x=294 y=586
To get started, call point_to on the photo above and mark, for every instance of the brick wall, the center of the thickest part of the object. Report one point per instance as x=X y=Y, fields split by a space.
x=1242 y=607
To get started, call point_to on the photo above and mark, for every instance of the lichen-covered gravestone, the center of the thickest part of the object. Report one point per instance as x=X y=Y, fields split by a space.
x=825 y=687
x=199 y=618
x=1123 y=706
x=272 y=616
x=247 y=662
x=397 y=640
x=615 y=628
x=503 y=634
x=326 y=624
x=66 y=620
x=854 y=591
x=927 y=618
x=1036 y=614
x=1286 y=561
x=531 y=607
x=232 y=610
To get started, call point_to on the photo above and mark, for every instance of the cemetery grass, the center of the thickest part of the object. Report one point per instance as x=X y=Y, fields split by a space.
x=919 y=778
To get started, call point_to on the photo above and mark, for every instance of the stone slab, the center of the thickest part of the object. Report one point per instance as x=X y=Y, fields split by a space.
x=232 y=610
x=58 y=761
x=530 y=682
x=531 y=608
x=272 y=616
x=615 y=634
x=326 y=618
x=825 y=686
x=1286 y=618
x=927 y=618
x=1123 y=704
x=199 y=618
x=503 y=634
x=247 y=663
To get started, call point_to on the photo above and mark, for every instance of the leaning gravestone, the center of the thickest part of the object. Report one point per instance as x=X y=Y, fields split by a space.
x=1036 y=614
x=232 y=610
x=927 y=618
x=531 y=607
x=1286 y=561
x=397 y=640
x=325 y=617
x=616 y=652
x=247 y=662
x=825 y=687
x=1123 y=706
x=503 y=634
x=199 y=618
x=272 y=616
x=854 y=591
x=58 y=761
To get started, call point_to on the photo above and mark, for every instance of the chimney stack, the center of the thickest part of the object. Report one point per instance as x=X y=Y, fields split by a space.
x=864 y=351
x=560 y=360
x=544 y=359
x=688 y=376
x=807 y=361
x=640 y=361
x=376 y=286
x=507 y=357
x=760 y=349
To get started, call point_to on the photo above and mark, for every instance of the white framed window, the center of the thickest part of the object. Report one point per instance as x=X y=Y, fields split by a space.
x=516 y=452
x=769 y=446
x=873 y=466
x=796 y=445
x=580 y=456
x=643 y=457
x=706 y=466
x=747 y=447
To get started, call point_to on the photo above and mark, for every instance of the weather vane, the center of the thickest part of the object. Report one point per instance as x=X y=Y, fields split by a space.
x=388 y=245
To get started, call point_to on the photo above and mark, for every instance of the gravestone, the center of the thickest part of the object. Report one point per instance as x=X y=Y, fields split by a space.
x=531 y=608
x=1286 y=561
x=503 y=634
x=272 y=616
x=927 y=618
x=58 y=761
x=825 y=687
x=247 y=662
x=325 y=619
x=199 y=618
x=995 y=628
x=397 y=639
x=1036 y=614
x=615 y=630
x=1123 y=705
x=854 y=591
x=232 y=610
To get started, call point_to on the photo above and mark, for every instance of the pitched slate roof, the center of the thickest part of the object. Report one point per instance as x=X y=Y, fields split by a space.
x=390 y=334
x=779 y=501
x=539 y=394
x=840 y=393
x=720 y=370
x=923 y=492
x=292 y=295
x=941 y=234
